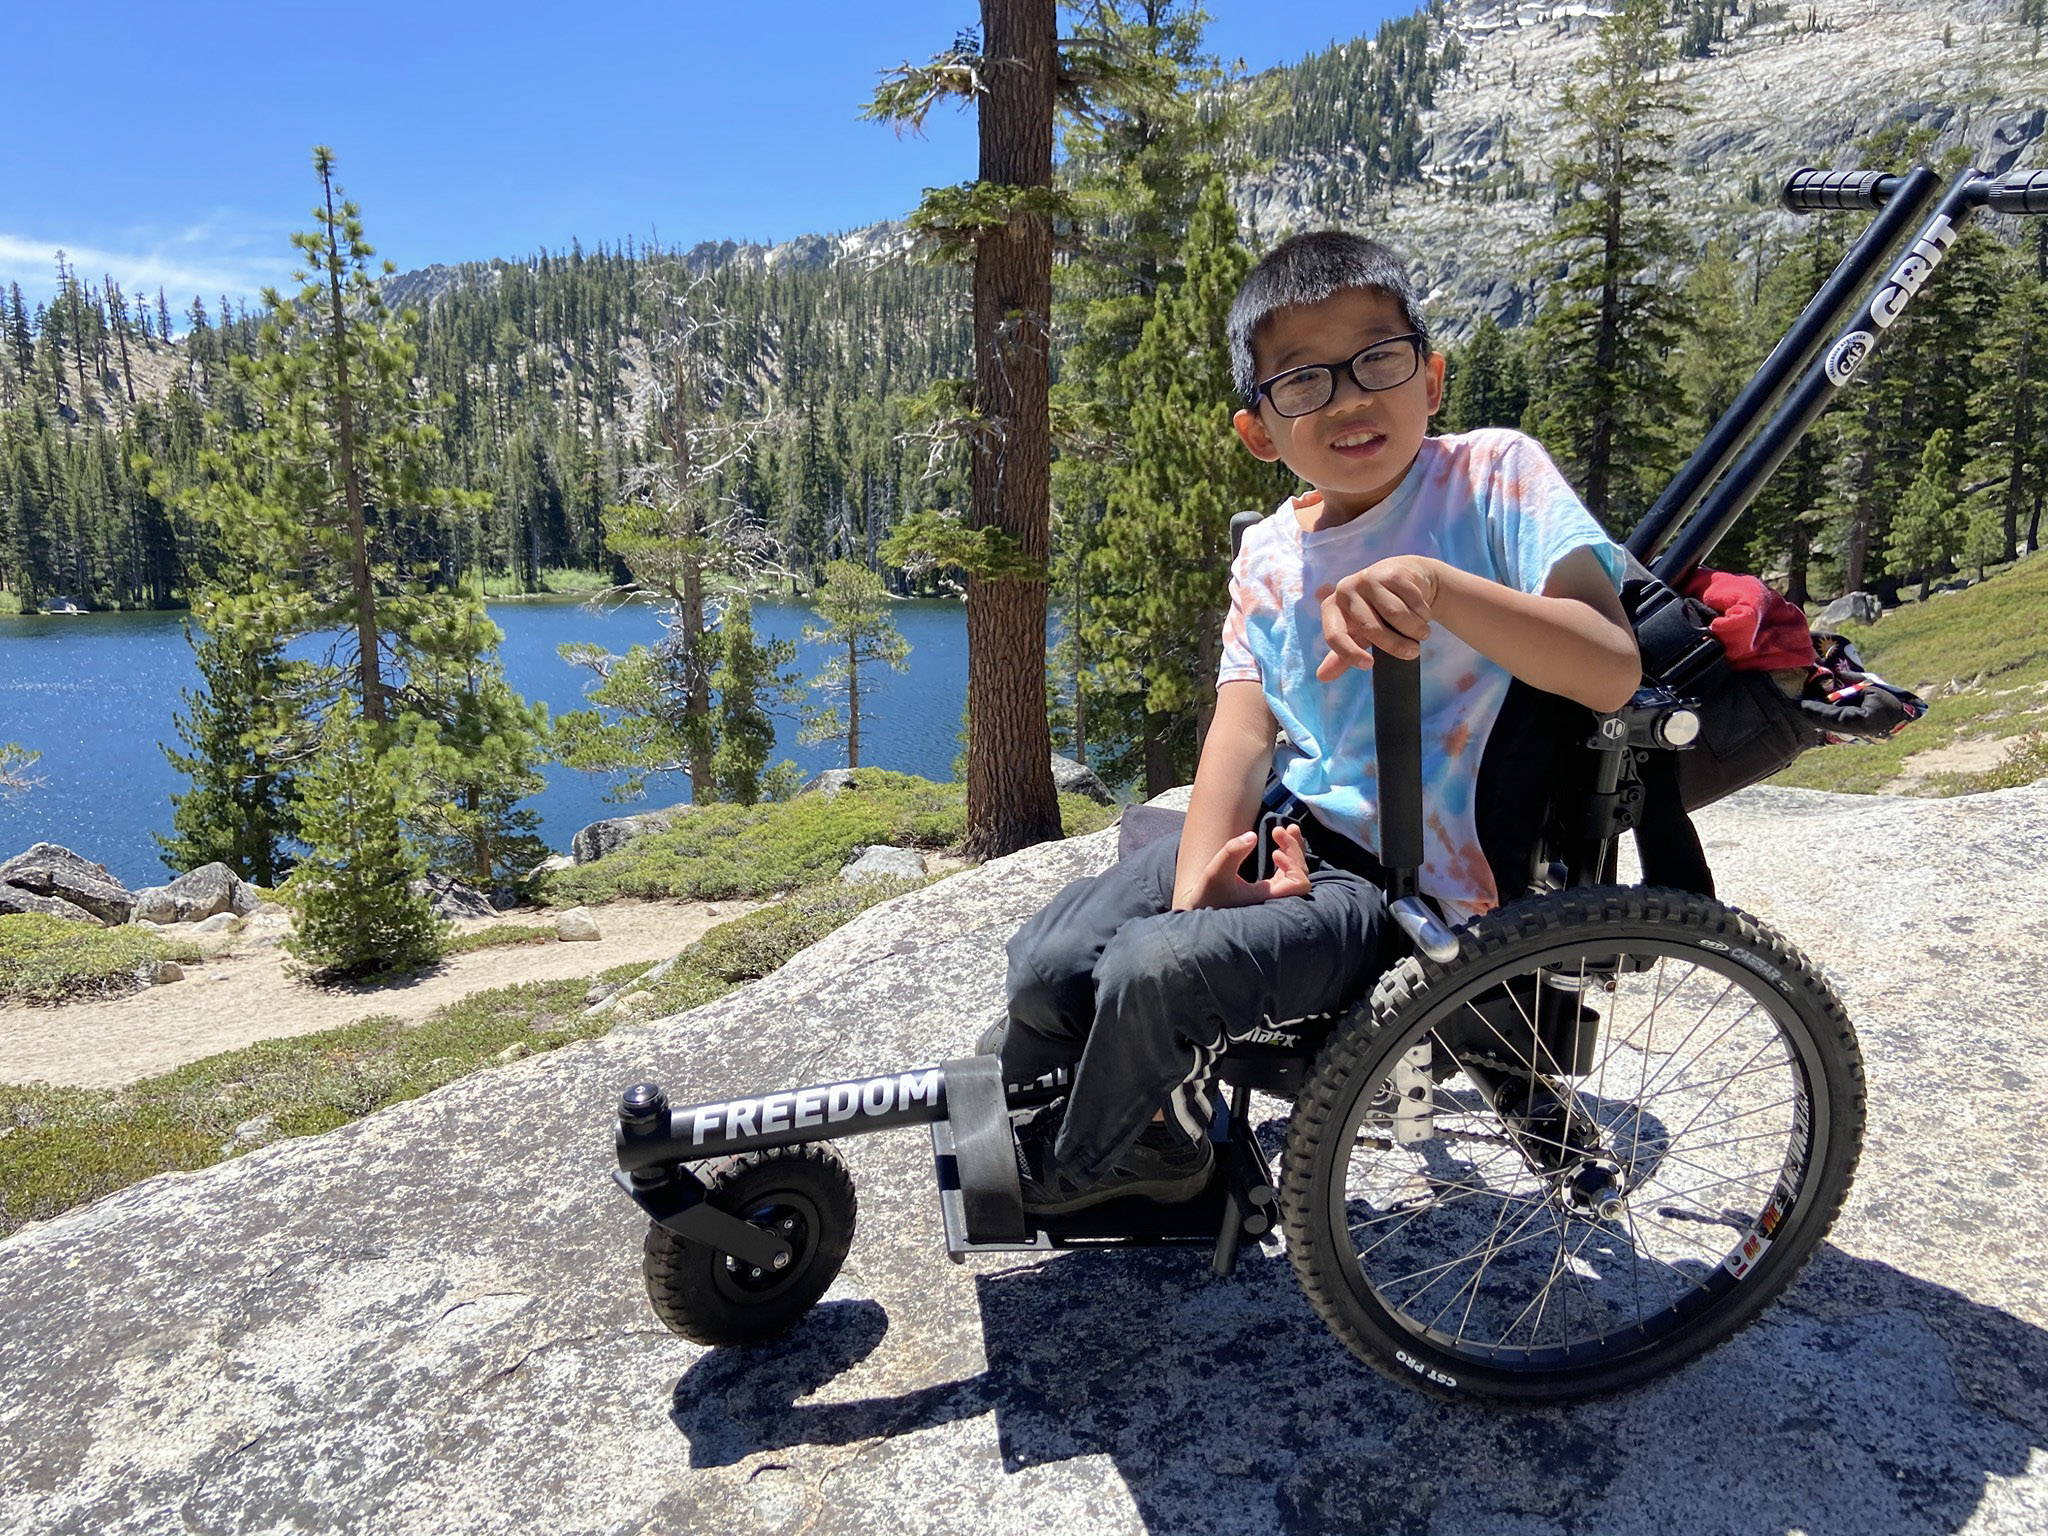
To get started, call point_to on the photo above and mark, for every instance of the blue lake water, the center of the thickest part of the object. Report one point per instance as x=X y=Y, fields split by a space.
x=97 y=694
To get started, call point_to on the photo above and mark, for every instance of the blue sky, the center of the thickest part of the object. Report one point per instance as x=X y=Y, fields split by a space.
x=168 y=143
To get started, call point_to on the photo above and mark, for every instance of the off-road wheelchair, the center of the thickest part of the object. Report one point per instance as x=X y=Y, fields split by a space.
x=1557 y=1151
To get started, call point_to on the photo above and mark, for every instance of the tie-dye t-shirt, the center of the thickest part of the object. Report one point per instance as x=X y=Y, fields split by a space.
x=1488 y=502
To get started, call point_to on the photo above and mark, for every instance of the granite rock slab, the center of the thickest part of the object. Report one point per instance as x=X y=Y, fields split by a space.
x=431 y=1320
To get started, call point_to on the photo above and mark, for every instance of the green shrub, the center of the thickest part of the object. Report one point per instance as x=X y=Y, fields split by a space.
x=54 y=960
x=2025 y=762
x=753 y=946
x=504 y=933
x=725 y=852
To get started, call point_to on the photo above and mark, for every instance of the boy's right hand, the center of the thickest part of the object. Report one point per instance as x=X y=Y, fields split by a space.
x=1222 y=886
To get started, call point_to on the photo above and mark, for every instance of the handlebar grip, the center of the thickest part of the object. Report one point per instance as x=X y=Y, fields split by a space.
x=2019 y=192
x=1815 y=191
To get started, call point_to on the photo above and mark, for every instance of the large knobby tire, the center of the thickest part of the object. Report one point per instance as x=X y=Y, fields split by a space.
x=1480 y=1216
x=802 y=1192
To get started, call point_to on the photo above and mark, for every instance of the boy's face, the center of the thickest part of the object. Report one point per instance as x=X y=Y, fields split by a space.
x=1356 y=448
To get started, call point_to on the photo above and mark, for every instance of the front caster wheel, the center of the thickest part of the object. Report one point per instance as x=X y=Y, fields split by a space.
x=805 y=1195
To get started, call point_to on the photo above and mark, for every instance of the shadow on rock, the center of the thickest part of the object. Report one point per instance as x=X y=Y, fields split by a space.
x=1866 y=1400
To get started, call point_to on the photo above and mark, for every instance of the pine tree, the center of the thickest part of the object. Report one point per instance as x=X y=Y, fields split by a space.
x=2009 y=407
x=1163 y=120
x=1002 y=223
x=1928 y=530
x=472 y=745
x=747 y=669
x=1489 y=385
x=1604 y=397
x=322 y=502
x=1161 y=578
x=241 y=809
x=357 y=913
x=857 y=634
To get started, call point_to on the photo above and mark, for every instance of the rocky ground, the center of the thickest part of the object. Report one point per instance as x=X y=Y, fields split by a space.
x=433 y=1319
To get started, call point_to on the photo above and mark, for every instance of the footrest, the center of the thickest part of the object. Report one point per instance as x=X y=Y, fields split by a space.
x=1237 y=1198
x=984 y=1182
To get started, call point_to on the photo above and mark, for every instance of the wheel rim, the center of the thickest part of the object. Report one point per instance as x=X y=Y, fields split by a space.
x=791 y=1216
x=1533 y=1242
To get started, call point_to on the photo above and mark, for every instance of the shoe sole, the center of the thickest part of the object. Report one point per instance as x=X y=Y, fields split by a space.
x=1163 y=1191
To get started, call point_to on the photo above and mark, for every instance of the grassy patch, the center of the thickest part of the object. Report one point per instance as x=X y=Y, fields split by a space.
x=504 y=933
x=52 y=960
x=2025 y=762
x=1980 y=656
x=759 y=943
x=726 y=852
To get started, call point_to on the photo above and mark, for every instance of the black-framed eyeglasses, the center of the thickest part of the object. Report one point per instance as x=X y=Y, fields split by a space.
x=1385 y=364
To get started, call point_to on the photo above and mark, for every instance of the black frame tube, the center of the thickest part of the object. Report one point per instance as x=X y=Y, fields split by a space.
x=1397 y=752
x=1905 y=204
x=1725 y=504
x=821 y=1112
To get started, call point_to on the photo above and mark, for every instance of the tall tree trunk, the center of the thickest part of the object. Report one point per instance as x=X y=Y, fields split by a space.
x=852 y=705
x=1010 y=799
x=1159 y=770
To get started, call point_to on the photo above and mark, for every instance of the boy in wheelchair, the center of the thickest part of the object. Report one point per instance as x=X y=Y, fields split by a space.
x=1470 y=552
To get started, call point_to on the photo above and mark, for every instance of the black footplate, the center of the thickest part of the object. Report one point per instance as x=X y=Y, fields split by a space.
x=980 y=1200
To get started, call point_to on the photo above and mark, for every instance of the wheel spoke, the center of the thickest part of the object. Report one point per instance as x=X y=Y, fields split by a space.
x=1572 y=1222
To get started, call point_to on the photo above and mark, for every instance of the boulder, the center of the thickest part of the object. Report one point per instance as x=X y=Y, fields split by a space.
x=155 y=904
x=1072 y=778
x=168 y=970
x=882 y=862
x=220 y=922
x=450 y=898
x=439 y=1307
x=577 y=926
x=831 y=782
x=204 y=892
x=50 y=869
x=552 y=862
x=14 y=899
x=1855 y=608
x=604 y=837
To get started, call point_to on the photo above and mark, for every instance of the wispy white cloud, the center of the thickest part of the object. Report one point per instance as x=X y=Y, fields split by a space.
x=213 y=256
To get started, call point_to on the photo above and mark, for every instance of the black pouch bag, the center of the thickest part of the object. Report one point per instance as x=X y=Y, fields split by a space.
x=1749 y=726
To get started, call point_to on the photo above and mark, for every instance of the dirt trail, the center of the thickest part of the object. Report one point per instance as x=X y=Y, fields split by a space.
x=243 y=995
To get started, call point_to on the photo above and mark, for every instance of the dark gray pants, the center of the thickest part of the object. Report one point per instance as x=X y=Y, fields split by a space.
x=1139 y=999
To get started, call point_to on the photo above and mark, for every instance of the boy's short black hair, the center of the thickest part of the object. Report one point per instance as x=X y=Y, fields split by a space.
x=1307 y=270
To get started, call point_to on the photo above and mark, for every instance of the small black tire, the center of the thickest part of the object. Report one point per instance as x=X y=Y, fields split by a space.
x=806 y=1193
x=1348 y=1178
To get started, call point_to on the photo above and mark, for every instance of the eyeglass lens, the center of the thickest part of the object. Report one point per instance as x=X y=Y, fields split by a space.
x=1382 y=366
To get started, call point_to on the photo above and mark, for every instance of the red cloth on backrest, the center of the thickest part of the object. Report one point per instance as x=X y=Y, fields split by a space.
x=1758 y=628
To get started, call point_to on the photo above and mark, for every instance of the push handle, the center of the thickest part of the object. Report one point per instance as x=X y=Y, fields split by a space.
x=1397 y=726
x=1397 y=731
x=2019 y=192
x=1816 y=191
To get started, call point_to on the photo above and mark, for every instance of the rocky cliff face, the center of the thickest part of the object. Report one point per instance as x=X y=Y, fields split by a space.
x=1793 y=83
x=1780 y=92
x=432 y=1320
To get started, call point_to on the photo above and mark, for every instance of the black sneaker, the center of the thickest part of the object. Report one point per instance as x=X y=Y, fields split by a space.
x=1163 y=1164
